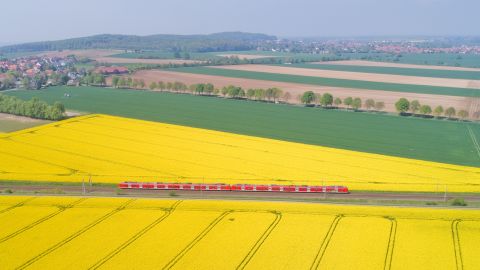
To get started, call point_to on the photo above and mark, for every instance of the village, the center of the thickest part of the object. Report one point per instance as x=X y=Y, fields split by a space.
x=37 y=72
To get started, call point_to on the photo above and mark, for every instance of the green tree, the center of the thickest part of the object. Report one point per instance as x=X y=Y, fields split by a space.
x=348 y=101
x=356 y=103
x=450 y=112
x=259 y=94
x=402 y=105
x=141 y=83
x=462 y=114
x=337 y=102
x=425 y=110
x=250 y=93
x=153 y=86
x=369 y=104
x=115 y=81
x=326 y=100
x=161 y=86
x=308 y=97
x=414 y=106
x=438 y=111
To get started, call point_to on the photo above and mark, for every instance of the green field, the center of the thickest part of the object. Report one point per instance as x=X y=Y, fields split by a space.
x=437 y=59
x=434 y=73
x=435 y=140
x=366 y=85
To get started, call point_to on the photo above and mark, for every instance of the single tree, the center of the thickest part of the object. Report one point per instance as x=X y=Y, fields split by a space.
x=450 y=112
x=438 y=110
x=326 y=100
x=115 y=80
x=369 y=103
x=402 y=105
x=308 y=97
x=287 y=96
x=356 y=103
x=425 y=110
x=463 y=114
x=348 y=101
x=337 y=102
x=161 y=86
x=414 y=106
x=379 y=105
x=250 y=93
x=153 y=86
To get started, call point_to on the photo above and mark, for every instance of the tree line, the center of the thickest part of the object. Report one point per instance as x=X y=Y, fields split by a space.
x=404 y=106
x=33 y=108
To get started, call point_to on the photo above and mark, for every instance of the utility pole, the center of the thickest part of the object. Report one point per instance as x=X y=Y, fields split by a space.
x=83 y=185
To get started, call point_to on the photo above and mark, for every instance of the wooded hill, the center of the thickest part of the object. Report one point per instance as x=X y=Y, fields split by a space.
x=226 y=41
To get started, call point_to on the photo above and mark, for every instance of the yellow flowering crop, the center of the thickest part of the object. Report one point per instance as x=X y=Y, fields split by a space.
x=110 y=233
x=111 y=149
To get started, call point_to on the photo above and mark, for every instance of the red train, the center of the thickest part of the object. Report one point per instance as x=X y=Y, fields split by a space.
x=235 y=187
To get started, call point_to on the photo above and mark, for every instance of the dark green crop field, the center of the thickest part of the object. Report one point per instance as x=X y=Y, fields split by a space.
x=366 y=85
x=434 y=73
x=435 y=140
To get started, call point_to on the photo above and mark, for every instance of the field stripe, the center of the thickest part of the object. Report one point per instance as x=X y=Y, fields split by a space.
x=22 y=203
x=326 y=241
x=391 y=244
x=199 y=237
x=28 y=227
x=260 y=241
x=474 y=139
x=456 y=245
x=75 y=235
x=136 y=236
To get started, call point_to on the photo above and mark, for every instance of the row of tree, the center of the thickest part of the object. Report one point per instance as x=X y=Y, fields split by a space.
x=127 y=82
x=404 y=106
x=34 y=108
x=327 y=100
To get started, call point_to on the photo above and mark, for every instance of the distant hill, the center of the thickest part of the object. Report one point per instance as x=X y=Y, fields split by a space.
x=227 y=41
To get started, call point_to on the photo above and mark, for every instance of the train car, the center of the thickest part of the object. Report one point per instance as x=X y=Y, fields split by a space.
x=234 y=187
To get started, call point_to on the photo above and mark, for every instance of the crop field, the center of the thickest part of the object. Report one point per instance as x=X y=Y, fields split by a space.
x=334 y=82
x=356 y=75
x=296 y=89
x=418 y=72
x=427 y=59
x=366 y=63
x=433 y=140
x=196 y=234
x=110 y=149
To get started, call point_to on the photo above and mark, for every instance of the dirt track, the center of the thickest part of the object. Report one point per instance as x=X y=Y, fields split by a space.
x=388 y=64
x=296 y=89
x=347 y=75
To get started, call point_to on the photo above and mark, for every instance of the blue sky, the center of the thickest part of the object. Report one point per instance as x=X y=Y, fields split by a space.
x=34 y=20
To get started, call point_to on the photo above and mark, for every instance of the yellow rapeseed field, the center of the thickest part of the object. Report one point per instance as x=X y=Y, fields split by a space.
x=118 y=233
x=107 y=149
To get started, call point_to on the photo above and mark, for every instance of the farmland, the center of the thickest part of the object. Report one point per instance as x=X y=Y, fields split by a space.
x=173 y=234
x=296 y=89
x=441 y=141
x=357 y=75
x=418 y=72
x=102 y=148
x=313 y=80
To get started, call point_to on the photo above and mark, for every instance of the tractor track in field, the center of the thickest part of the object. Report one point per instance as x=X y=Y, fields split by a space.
x=41 y=220
x=75 y=235
x=139 y=234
